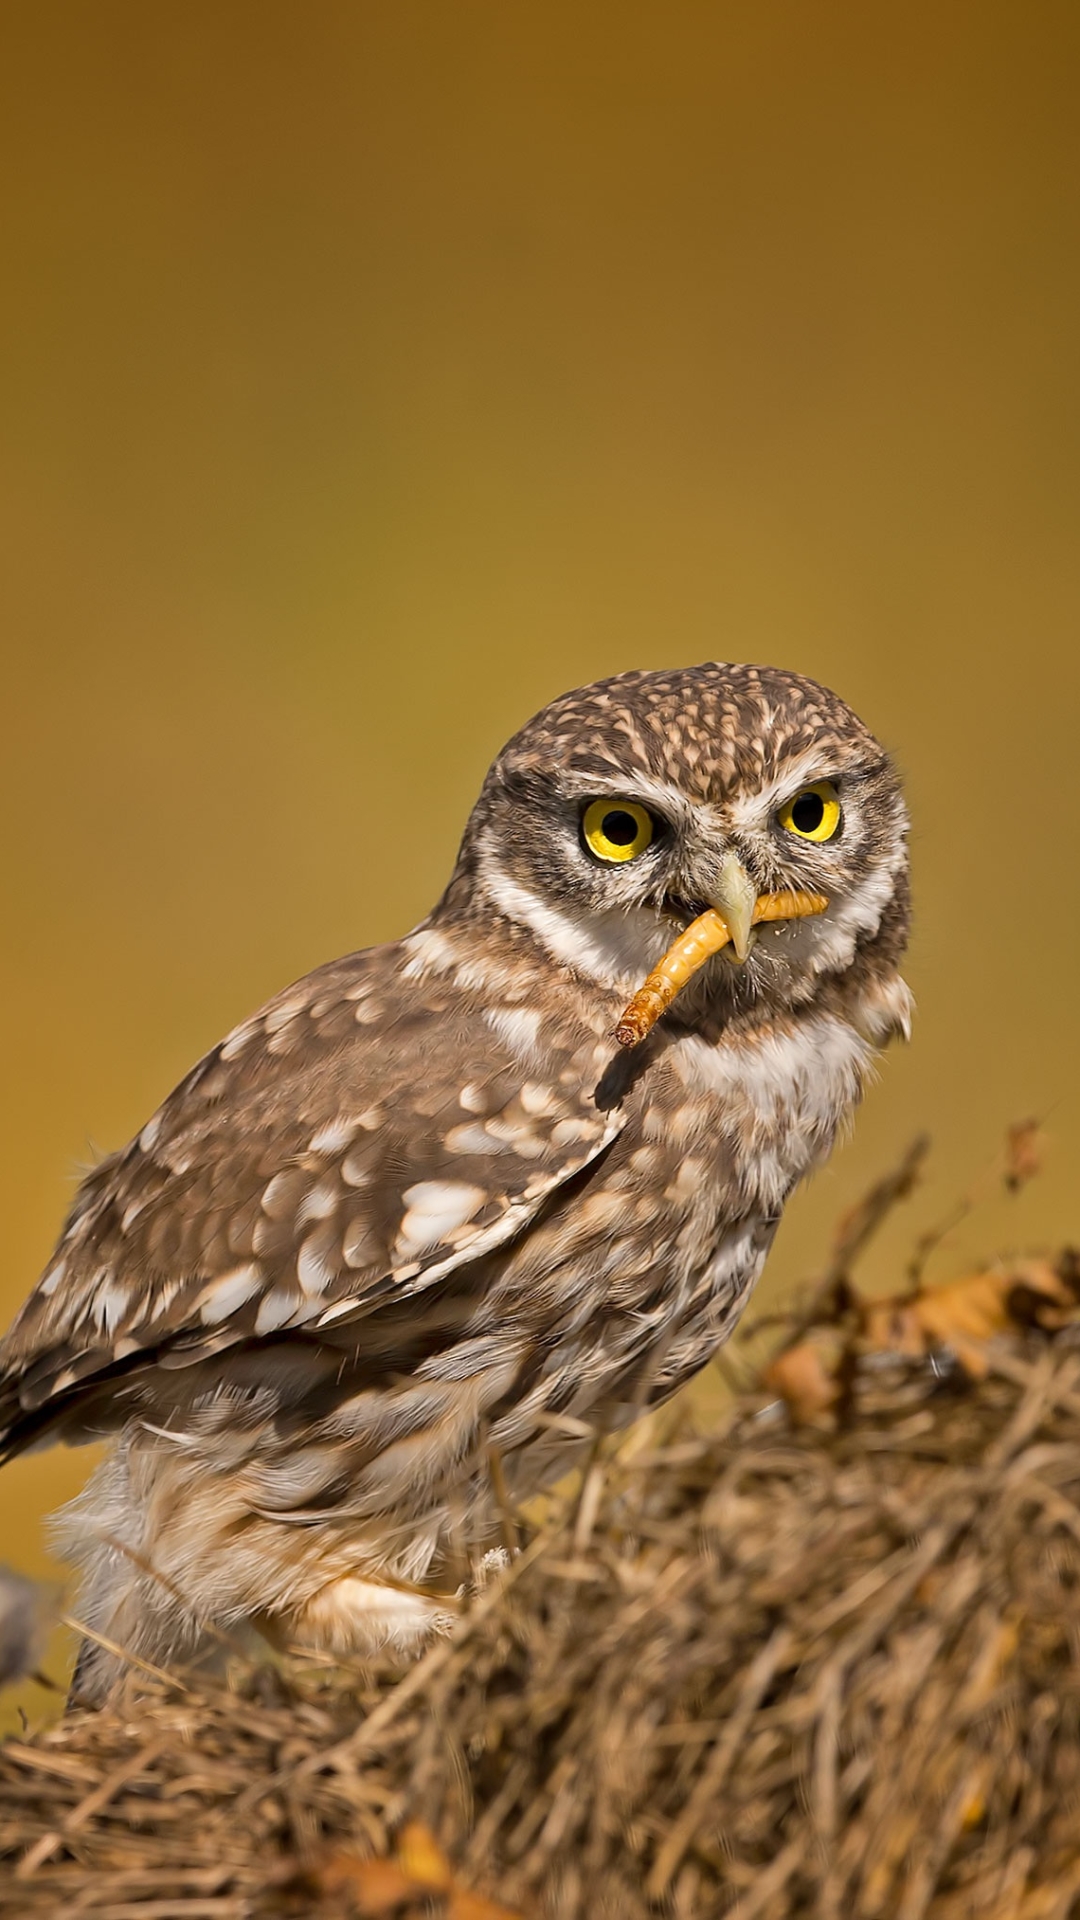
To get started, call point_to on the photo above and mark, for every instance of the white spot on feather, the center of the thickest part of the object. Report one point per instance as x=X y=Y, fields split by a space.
x=519 y=1029
x=360 y=1246
x=313 y=1270
x=320 y=1202
x=228 y=1293
x=279 y=1194
x=355 y=1169
x=429 y=952
x=286 y=1010
x=276 y=1310
x=110 y=1305
x=434 y=1209
x=334 y=1135
x=238 y=1039
x=537 y=1099
x=473 y=1138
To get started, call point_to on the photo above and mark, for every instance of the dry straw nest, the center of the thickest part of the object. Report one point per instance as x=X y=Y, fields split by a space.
x=779 y=1670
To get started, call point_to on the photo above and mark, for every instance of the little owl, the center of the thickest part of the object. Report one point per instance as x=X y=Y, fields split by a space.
x=447 y=1207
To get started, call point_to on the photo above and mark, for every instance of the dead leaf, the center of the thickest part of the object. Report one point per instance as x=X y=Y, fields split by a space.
x=892 y=1326
x=803 y=1380
x=965 y=1314
x=1024 y=1148
x=473 y=1906
x=383 y=1887
x=973 y=1308
x=374 y=1887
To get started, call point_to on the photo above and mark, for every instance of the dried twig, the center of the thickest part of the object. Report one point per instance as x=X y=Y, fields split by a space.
x=833 y=1291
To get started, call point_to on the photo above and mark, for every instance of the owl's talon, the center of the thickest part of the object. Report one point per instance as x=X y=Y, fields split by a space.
x=354 y=1617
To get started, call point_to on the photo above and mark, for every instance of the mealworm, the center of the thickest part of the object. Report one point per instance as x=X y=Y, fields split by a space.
x=703 y=937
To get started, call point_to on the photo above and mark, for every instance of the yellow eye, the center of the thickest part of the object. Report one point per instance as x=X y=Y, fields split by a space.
x=616 y=829
x=813 y=814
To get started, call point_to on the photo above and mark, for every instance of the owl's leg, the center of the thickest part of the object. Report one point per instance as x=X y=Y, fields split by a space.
x=175 y=1567
x=354 y=1616
x=87 y=1684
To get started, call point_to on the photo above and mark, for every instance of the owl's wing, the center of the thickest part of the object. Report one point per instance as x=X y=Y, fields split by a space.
x=355 y=1141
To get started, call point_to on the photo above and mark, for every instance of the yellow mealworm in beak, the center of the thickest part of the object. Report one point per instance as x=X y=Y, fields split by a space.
x=703 y=937
x=788 y=906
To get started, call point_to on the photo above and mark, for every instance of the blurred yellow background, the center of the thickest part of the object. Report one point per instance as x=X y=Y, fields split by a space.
x=372 y=373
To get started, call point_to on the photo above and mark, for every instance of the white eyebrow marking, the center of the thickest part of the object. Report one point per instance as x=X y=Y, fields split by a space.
x=753 y=809
x=667 y=800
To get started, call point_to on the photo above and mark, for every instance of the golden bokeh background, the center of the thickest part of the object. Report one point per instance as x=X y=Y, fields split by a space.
x=372 y=373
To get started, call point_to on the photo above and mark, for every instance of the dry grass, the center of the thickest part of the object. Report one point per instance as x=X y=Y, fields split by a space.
x=774 y=1671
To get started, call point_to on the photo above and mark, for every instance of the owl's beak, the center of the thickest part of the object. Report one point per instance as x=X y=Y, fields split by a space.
x=734 y=896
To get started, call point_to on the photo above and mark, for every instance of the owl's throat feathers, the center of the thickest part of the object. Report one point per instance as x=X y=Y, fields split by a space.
x=708 y=934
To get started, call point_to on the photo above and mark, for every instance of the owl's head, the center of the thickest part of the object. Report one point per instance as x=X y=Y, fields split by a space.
x=627 y=808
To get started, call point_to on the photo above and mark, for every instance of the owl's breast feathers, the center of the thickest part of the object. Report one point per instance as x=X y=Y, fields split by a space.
x=403 y=1117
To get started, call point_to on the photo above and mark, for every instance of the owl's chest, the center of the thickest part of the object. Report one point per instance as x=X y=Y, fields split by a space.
x=751 y=1116
x=727 y=1133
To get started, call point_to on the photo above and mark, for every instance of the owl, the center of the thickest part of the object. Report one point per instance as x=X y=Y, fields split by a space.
x=444 y=1209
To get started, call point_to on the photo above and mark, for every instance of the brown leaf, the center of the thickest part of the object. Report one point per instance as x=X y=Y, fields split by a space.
x=422 y=1859
x=384 y=1887
x=974 y=1308
x=473 y=1906
x=373 y=1887
x=1024 y=1147
x=803 y=1381
x=892 y=1326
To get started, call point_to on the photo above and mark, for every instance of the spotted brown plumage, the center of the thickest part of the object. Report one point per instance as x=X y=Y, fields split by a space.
x=300 y=1176
x=423 y=1206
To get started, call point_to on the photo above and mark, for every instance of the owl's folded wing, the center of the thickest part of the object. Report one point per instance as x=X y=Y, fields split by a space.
x=354 y=1142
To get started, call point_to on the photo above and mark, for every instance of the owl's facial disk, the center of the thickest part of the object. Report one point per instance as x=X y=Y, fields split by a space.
x=626 y=810
x=607 y=881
